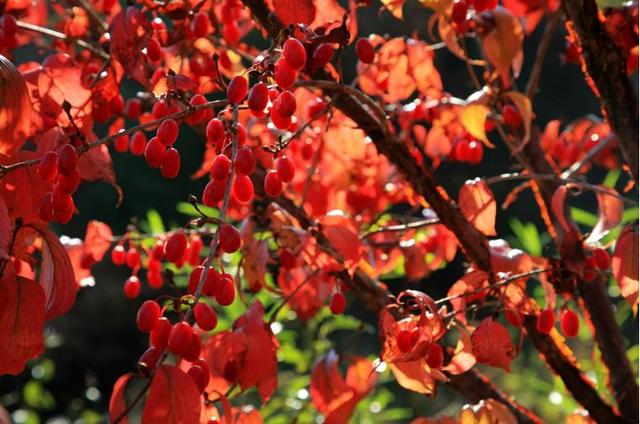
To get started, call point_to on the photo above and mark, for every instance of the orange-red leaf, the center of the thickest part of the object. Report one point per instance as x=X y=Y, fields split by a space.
x=21 y=322
x=478 y=205
x=610 y=210
x=492 y=344
x=15 y=108
x=173 y=398
x=624 y=264
x=503 y=44
x=119 y=399
x=343 y=236
x=97 y=239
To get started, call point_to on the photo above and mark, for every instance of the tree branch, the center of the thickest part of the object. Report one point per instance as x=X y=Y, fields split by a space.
x=605 y=64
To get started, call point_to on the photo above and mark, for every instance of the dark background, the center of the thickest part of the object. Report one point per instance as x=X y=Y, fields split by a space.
x=97 y=341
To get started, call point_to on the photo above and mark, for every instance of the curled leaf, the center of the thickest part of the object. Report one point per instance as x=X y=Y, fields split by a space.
x=473 y=117
x=478 y=205
x=624 y=264
x=610 y=211
x=503 y=44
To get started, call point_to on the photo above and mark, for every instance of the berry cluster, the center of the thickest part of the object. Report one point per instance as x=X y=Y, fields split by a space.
x=569 y=321
x=61 y=168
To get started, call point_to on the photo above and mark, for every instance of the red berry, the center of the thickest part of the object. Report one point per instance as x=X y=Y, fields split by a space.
x=338 y=303
x=133 y=109
x=198 y=376
x=148 y=315
x=154 y=280
x=118 y=255
x=476 y=152
x=205 y=316
x=229 y=238
x=154 y=50
x=69 y=183
x=287 y=259
x=158 y=250
x=179 y=338
x=280 y=121
x=213 y=193
x=242 y=189
x=245 y=161
x=284 y=74
x=513 y=317
x=459 y=12
x=132 y=287
x=192 y=352
x=9 y=25
x=287 y=103
x=258 y=97
x=231 y=33
x=273 y=183
x=67 y=159
x=195 y=248
x=168 y=132
x=200 y=24
x=365 y=51
x=601 y=259
x=511 y=116
x=133 y=257
x=221 y=168
x=116 y=105
x=160 y=109
x=199 y=115
x=215 y=132
x=226 y=293
x=286 y=168
x=138 y=143
x=569 y=322
x=589 y=273
x=435 y=356
x=149 y=360
x=406 y=340
x=294 y=53
x=153 y=152
x=462 y=151
x=160 y=334
x=170 y=166
x=121 y=144
x=322 y=55
x=175 y=247
x=237 y=89
x=48 y=167
x=546 y=321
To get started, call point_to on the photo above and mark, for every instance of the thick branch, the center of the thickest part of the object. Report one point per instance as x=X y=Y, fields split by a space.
x=606 y=66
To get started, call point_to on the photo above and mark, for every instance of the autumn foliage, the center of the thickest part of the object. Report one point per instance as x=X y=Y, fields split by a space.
x=321 y=198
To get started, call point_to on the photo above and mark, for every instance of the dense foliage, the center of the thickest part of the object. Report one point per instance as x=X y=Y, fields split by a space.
x=328 y=208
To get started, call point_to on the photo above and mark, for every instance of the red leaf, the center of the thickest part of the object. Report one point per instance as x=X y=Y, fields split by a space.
x=624 y=264
x=6 y=230
x=417 y=376
x=492 y=344
x=310 y=297
x=295 y=11
x=95 y=165
x=118 y=402
x=478 y=205
x=173 y=398
x=335 y=397
x=21 y=322
x=56 y=272
x=129 y=36
x=97 y=239
x=503 y=44
x=245 y=355
x=15 y=108
x=343 y=236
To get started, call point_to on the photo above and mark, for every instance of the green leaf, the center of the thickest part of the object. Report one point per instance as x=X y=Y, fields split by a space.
x=528 y=236
x=188 y=209
x=156 y=226
x=611 y=179
x=583 y=217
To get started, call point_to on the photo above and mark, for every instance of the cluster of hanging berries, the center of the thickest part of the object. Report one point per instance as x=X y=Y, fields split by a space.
x=600 y=260
x=406 y=340
x=569 y=321
x=179 y=339
x=61 y=168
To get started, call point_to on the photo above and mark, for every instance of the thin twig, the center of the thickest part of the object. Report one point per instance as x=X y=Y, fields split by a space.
x=62 y=36
x=401 y=227
x=286 y=300
x=543 y=47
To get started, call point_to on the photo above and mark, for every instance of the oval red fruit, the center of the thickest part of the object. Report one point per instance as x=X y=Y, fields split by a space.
x=546 y=321
x=242 y=189
x=569 y=322
x=48 y=167
x=179 y=338
x=132 y=287
x=170 y=166
x=229 y=238
x=286 y=168
x=338 y=303
x=205 y=316
x=148 y=315
x=365 y=51
x=294 y=53
x=435 y=356
x=273 y=183
x=67 y=159
x=237 y=89
x=175 y=247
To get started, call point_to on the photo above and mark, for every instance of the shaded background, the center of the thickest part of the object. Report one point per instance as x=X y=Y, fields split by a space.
x=97 y=341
